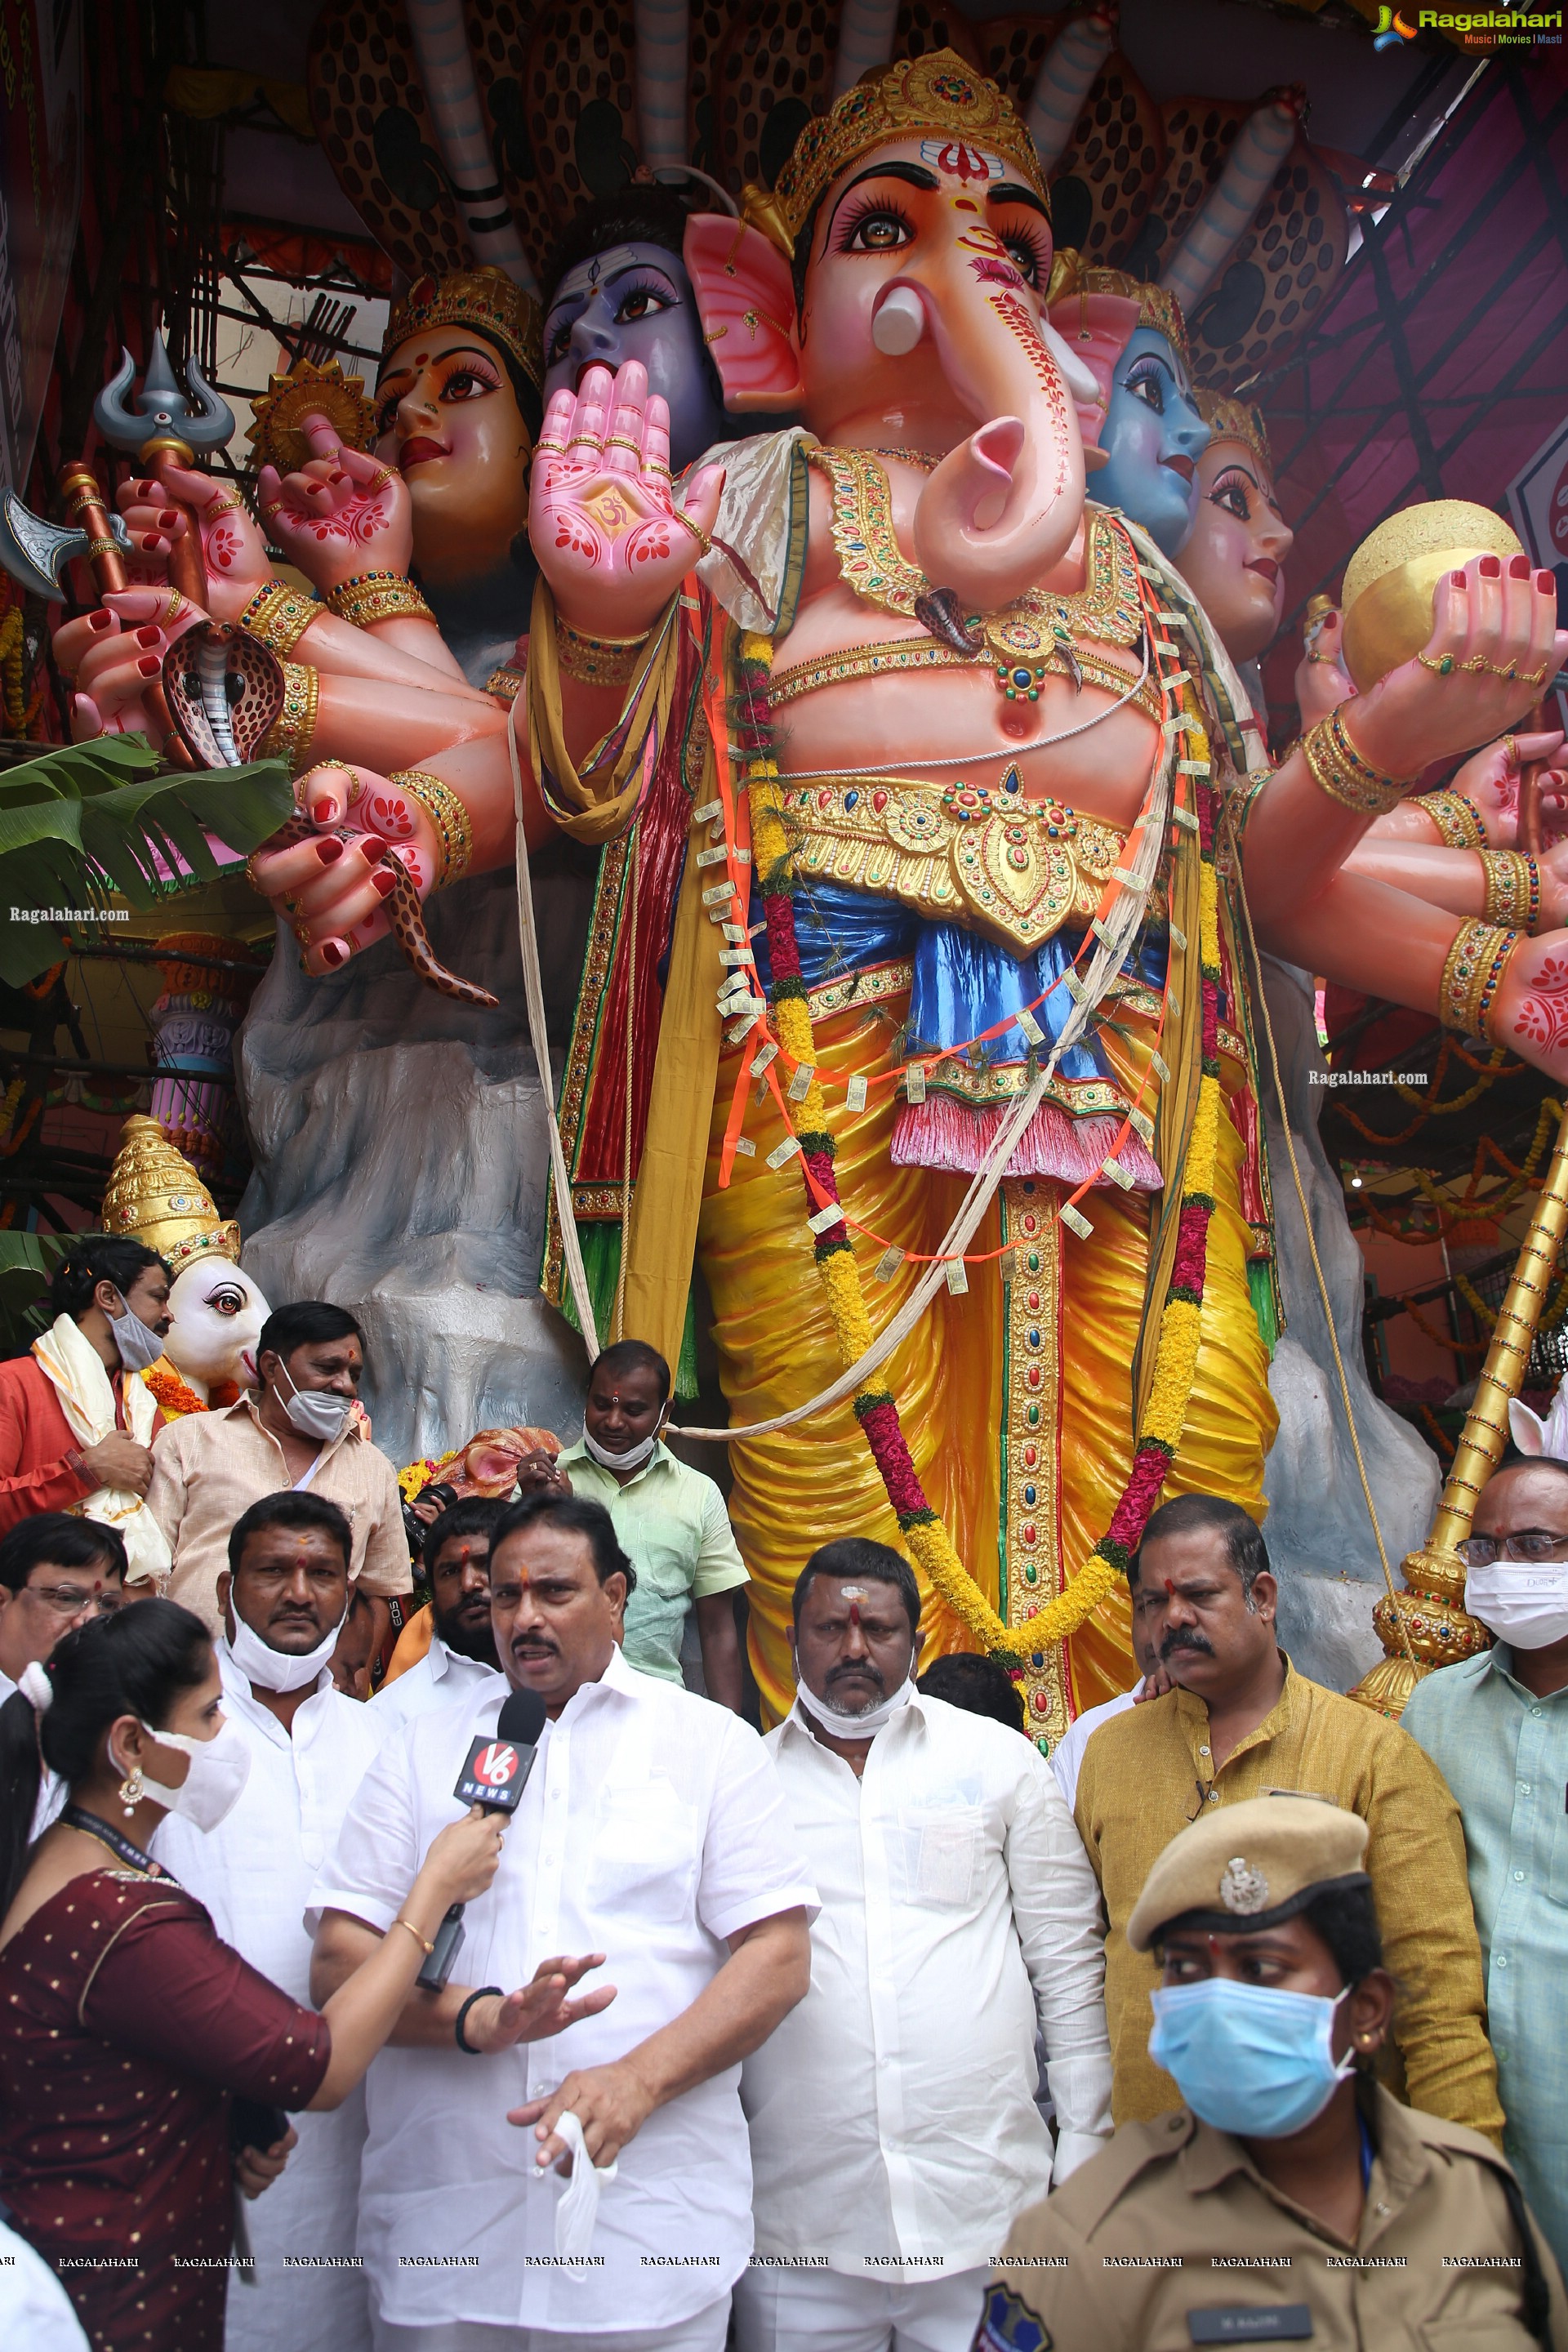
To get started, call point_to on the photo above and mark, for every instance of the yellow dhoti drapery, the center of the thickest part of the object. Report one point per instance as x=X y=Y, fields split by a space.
x=961 y=1378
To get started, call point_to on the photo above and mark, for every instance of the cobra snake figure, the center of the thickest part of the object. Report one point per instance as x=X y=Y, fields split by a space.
x=224 y=692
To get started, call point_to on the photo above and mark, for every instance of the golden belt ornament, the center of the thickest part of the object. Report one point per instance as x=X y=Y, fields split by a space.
x=1011 y=868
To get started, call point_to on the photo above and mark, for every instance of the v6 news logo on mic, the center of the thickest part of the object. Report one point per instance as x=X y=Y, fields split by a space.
x=493 y=1775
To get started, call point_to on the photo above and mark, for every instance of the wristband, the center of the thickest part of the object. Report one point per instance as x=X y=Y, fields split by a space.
x=1456 y=818
x=463 y=2043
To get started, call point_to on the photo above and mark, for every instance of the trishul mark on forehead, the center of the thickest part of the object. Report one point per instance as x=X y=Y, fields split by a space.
x=956 y=160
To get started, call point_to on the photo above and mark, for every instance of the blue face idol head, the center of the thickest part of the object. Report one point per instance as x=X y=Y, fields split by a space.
x=634 y=301
x=1153 y=437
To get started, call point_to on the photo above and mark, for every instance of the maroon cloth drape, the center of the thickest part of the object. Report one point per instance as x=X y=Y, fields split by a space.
x=125 y=2025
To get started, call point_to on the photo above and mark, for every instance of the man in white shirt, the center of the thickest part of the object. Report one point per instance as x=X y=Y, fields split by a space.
x=892 y=2118
x=651 y=1834
x=1067 y=1756
x=283 y=1597
x=462 y=1658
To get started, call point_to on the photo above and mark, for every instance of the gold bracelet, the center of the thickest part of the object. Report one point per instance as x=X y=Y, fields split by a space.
x=447 y=813
x=290 y=739
x=278 y=615
x=1513 y=889
x=596 y=661
x=425 y=1947
x=1456 y=818
x=507 y=682
x=1472 y=972
x=372 y=596
x=1338 y=769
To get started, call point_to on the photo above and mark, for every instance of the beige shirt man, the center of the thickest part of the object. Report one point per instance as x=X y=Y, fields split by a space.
x=208 y=1467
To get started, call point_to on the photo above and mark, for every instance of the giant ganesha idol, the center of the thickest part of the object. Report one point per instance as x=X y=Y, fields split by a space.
x=926 y=811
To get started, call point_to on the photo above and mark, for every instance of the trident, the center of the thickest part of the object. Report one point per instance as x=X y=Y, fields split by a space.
x=163 y=429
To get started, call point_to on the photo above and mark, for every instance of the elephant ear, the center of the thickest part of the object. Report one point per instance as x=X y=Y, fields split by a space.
x=1098 y=328
x=746 y=299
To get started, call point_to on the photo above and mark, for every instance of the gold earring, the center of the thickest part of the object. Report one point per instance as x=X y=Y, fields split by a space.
x=130 y=1791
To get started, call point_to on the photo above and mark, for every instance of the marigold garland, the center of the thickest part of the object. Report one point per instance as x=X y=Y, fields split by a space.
x=173 y=1393
x=1177 y=1346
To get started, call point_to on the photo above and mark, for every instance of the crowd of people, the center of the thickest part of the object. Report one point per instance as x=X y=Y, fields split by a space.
x=396 y=1954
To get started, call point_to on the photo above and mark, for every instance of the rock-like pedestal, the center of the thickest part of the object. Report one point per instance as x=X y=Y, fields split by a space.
x=401 y=1164
x=1320 y=1535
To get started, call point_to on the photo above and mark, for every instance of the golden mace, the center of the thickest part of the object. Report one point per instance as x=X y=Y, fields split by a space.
x=1426 y=1624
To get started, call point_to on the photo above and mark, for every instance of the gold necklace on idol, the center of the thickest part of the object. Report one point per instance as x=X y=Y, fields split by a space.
x=1027 y=640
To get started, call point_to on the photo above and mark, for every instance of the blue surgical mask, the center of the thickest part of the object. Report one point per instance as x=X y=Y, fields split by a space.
x=1248 y=2059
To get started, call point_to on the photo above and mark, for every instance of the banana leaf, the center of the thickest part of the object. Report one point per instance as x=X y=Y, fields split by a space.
x=26 y=1263
x=89 y=820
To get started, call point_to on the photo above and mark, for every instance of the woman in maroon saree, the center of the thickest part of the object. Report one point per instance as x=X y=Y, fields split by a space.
x=126 y=2027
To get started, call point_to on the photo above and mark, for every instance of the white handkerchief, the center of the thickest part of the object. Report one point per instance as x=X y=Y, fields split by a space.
x=578 y=2211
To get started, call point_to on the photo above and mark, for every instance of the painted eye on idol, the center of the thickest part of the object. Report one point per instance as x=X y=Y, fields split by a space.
x=227 y=1301
x=1147 y=383
x=877 y=227
x=1230 y=492
x=642 y=302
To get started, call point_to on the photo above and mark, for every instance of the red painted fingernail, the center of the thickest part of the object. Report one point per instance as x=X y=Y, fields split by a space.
x=374 y=847
x=167 y=518
x=1519 y=567
x=149 y=666
x=332 y=955
x=154 y=545
x=149 y=636
x=329 y=852
x=146 y=489
x=1491 y=567
x=383 y=884
x=1546 y=583
x=99 y=621
x=1456 y=580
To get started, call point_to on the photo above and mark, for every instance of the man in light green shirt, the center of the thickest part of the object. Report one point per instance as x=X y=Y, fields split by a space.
x=670 y=1520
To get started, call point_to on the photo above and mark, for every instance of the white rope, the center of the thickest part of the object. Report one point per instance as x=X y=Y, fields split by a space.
x=533 y=996
x=1114 y=941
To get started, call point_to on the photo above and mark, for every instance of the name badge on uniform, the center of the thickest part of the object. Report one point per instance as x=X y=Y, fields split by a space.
x=1240 y=2322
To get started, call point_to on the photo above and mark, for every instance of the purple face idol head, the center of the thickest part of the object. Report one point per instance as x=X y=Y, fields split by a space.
x=619 y=291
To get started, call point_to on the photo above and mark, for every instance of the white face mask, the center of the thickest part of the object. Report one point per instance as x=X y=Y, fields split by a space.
x=1524 y=1602
x=316 y=1413
x=276 y=1670
x=856 y=1727
x=211 y=1789
x=632 y=1459
x=137 y=1343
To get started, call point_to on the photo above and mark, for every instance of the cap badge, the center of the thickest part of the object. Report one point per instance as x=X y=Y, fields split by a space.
x=1242 y=1888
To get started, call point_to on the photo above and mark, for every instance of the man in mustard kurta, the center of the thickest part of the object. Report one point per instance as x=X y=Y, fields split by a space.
x=1240 y=1722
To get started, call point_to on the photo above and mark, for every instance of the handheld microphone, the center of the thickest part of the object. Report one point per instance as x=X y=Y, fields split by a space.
x=494 y=1775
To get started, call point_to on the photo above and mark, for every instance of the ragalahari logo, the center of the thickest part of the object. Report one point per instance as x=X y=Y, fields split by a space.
x=1391 y=29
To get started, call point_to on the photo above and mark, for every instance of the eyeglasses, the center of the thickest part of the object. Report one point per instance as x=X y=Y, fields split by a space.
x=1528 y=1548
x=70 y=1600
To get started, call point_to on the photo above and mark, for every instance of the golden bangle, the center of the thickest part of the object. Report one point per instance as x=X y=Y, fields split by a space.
x=289 y=738
x=1472 y=972
x=278 y=615
x=1339 y=770
x=596 y=661
x=1513 y=889
x=372 y=596
x=454 y=829
x=1457 y=819
x=425 y=1947
x=507 y=682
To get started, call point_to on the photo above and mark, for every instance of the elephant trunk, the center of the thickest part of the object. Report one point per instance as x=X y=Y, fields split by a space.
x=1002 y=508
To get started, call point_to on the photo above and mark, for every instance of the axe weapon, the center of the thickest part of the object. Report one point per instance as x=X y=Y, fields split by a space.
x=36 y=554
x=162 y=427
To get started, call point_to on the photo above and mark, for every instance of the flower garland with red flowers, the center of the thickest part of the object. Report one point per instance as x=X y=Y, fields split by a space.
x=877 y=1410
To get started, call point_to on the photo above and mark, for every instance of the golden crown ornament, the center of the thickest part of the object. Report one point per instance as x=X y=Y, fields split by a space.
x=938 y=92
x=1236 y=420
x=279 y=431
x=1156 y=307
x=485 y=299
x=156 y=1196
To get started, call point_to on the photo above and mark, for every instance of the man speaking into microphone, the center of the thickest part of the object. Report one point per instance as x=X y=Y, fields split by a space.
x=649 y=1839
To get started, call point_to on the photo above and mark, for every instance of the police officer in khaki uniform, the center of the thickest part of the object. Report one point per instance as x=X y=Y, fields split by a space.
x=1292 y=2200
